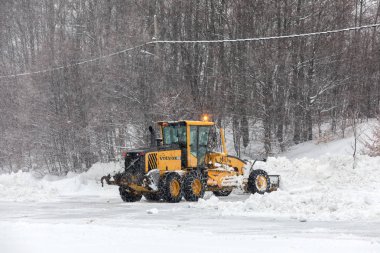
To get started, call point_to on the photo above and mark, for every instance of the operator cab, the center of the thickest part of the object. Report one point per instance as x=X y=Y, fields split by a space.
x=190 y=136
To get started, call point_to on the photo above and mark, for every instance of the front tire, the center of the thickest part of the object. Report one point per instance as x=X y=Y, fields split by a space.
x=258 y=182
x=170 y=187
x=194 y=186
x=223 y=193
x=128 y=195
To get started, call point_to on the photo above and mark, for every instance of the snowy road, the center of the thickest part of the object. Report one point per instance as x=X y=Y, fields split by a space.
x=93 y=224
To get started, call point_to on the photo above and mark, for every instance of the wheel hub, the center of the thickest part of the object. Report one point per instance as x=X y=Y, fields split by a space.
x=174 y=188
x=261 y=183
x=196 y=186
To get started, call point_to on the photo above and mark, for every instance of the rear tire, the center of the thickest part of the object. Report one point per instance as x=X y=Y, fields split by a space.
x=128 y=195
x=194 y=186
x=223 y=193
x=170 y=187
x=258 y=182
x=152 y=196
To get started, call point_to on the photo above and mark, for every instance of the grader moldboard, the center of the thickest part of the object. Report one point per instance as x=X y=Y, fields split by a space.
x=180 y=164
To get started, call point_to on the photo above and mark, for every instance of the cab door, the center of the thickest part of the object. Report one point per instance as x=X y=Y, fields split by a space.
x=197 y=145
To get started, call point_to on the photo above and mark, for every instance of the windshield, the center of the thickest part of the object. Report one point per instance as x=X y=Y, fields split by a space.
x=174 y=134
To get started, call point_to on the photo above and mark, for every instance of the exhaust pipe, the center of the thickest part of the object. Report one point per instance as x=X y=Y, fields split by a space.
x=152 y=137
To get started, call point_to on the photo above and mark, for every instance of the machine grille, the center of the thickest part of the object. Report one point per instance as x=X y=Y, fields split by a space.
x=152 y=161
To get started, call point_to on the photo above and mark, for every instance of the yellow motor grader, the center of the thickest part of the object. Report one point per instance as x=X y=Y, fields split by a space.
x=181 y=164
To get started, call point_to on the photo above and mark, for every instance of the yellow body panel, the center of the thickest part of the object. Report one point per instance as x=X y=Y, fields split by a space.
x=235 y=162
x=167 y=160
x=223 y=141
x=192 y=161
x=215 y=177
x=221 y=158
x=198 y=123
x=137 y=188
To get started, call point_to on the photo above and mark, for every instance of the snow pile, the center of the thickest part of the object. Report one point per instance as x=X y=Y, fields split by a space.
x=324 y=189
x=24 y=186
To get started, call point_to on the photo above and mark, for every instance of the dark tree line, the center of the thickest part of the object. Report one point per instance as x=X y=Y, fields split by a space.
x=275 y=92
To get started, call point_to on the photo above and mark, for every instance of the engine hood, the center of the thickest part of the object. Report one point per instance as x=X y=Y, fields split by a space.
x=152 y=149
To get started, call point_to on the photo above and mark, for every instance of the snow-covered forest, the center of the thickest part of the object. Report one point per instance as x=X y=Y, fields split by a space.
x=288 y=89
x=296 y=82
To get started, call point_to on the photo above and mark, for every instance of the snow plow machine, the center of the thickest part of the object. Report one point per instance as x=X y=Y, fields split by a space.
x=181 y=164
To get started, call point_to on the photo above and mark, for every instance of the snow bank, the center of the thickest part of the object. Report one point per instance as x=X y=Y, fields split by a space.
x=323 y=189
x=24 y=186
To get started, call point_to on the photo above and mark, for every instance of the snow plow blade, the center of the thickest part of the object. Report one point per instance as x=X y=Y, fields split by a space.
x=274 y=182
x=121 y=179
x=108 y=180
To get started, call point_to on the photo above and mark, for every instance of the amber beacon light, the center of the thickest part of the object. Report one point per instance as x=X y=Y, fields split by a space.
x=205 y=117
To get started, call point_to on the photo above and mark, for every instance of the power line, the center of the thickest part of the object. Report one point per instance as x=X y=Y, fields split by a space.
x=75 y=64
x=269 y=38
x=195 y=42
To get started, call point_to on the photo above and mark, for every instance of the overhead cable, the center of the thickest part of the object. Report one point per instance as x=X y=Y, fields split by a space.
x=192 y=42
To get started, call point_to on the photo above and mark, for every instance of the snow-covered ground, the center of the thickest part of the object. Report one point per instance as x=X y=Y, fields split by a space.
x=326 y=203
x=93 y=224
x=334 y=145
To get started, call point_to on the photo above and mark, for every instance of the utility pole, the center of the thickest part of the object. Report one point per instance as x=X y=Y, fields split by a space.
x=155 y=37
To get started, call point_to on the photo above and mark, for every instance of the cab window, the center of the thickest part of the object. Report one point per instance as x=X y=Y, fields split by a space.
x=193 y=140
x=202 y=143
x=203 y=136
x=198 y=142
x=174 y=134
